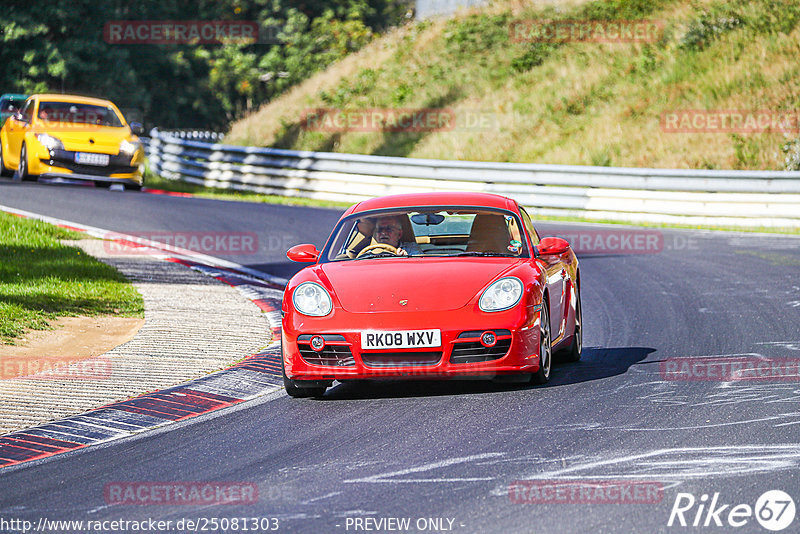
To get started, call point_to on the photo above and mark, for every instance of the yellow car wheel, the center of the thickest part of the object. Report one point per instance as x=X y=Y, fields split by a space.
x=22 y=168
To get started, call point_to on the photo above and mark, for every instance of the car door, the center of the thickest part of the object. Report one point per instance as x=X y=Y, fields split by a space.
x=16 y=133
x=555 y=275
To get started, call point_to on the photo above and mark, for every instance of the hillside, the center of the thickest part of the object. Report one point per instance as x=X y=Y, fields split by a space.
x=587 y=103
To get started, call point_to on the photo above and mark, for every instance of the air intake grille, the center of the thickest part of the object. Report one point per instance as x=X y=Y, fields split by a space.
x=400 y=359
x=332 y=355
x=468 y=348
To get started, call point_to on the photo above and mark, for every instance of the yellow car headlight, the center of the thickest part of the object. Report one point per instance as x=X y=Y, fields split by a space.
x=129 y=148
x=50 y=142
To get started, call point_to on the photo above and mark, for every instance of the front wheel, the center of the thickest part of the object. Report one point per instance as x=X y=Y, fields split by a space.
x=22 y=169
x=573 y=353
x=545 y=351
x=294 y=388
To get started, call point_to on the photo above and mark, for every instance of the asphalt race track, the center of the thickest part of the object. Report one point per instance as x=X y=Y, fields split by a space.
x=159 y=217
x=448 y=456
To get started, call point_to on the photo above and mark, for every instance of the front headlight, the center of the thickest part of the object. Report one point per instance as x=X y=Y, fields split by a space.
x=129 y=148
x=501 y=295
x=310 y=298
x=50 y=142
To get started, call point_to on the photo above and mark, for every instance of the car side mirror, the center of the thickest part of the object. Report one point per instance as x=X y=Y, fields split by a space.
x=552 y=246
x=18 y=116
x=303 y=253
x=137 y=128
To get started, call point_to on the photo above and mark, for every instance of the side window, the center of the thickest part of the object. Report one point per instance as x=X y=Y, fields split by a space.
x=526 y=220
x=27 y=113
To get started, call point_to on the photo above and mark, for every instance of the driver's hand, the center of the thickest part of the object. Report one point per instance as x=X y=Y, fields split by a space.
x=401 y=252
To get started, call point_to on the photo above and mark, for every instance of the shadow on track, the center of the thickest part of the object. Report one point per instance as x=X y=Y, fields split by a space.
x=597 y=363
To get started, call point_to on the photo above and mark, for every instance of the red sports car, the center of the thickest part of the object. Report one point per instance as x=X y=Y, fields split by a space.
x=430 y=285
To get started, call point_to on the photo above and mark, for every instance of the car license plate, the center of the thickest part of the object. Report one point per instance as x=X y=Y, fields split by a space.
x=87 y=158
x=400 y=339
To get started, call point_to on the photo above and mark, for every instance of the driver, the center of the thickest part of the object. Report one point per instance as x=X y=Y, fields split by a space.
x=389 y=230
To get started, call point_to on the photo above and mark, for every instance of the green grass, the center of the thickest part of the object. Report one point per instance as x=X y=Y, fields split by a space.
x=41 y=279
x=563 y=103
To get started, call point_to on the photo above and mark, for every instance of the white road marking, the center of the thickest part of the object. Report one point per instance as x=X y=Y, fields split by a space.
x=326 y=496
x=712 y=425
x=387 y=477
x=790 y=345
x=686 y=463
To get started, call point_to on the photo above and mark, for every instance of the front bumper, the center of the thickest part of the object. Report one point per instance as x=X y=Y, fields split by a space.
x=72 y=178
x=60 y=164
x=461 y=353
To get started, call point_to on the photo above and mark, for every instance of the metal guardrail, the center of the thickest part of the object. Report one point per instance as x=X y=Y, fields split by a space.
x=735 y=198
x=429 y=8
x=194 y=135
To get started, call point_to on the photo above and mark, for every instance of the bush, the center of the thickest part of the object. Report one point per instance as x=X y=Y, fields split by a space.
x=532 y=57
x=706 y=28
x=620 y=9
x=477 y=33
x=791 y=151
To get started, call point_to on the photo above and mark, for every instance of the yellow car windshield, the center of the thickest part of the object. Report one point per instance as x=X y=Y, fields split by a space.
x=70 y=112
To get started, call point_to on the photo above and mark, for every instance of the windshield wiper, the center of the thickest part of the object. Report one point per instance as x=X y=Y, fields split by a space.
x=382 y=255
x=478 y=253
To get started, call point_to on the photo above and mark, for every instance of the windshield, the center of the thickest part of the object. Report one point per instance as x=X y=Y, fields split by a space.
x=427 y=232
x=70 y=112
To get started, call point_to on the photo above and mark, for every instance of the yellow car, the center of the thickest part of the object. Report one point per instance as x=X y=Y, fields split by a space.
x=73 y=139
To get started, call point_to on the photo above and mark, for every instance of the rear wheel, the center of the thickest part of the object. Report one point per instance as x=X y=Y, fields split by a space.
x=573 y=352
x=545 y=352
x=296 y=389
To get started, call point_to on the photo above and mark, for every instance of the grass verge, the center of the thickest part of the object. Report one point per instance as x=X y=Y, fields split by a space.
x=41 y=279
x=579 y=103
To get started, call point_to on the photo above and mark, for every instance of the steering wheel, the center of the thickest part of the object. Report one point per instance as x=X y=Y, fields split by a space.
x=385 y=247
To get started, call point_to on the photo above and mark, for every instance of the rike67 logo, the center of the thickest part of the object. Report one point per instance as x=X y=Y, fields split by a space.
x=774 y=510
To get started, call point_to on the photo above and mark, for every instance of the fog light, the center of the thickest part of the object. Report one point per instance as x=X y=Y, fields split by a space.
x=488 y=339
x=317 y=343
